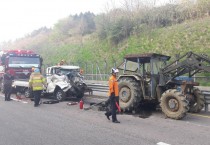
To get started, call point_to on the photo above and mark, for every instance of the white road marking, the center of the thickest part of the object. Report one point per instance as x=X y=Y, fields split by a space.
x=162 y=143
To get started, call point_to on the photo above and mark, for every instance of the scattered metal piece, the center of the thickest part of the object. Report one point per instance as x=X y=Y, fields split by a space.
x=94 y=106
x=72 y=103
x=50 y=102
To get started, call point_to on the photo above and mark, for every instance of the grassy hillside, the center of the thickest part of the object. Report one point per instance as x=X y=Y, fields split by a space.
x=178 y=39
x=193 y=35
x=189 y=36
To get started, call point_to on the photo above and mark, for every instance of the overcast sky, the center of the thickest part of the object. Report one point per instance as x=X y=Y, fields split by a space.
x=20 y=17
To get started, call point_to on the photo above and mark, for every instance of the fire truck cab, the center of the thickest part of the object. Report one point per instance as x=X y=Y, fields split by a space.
x=20 y=61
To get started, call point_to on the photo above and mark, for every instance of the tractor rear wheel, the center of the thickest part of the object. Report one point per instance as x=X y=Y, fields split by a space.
x=129 y=93
x=174 y=104
x=198 y=103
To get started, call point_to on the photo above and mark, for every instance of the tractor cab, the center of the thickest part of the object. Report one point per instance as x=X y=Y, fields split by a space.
x=149 y=63
x=145 y=67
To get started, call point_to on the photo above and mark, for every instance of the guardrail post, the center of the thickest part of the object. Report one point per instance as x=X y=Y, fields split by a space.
x=207 y=99
x=86 y=68
x=105 y=69
x=92 y=70
x=206 y=107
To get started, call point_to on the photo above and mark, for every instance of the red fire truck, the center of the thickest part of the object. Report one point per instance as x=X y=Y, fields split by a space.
x=21 y=61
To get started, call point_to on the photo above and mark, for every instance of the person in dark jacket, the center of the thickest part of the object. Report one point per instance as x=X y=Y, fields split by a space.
x=7 y=82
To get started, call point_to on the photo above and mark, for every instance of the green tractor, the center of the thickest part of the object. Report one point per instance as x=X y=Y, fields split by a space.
x=148 y=78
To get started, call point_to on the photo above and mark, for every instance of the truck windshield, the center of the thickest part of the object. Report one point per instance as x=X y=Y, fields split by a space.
x=66 y=71
x=24 y=62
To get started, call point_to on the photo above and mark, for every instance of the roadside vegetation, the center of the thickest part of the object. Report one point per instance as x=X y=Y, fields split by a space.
x=136 y=27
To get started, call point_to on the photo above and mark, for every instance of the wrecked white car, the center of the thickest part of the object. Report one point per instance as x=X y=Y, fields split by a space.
x=65 y=81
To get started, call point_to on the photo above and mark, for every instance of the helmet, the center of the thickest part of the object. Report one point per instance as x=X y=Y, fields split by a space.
x=114 y=70
x=36 y=70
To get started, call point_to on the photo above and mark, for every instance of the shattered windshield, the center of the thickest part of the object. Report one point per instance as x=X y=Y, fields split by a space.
x=72 y=74
x=24 y=62
x=66 y=71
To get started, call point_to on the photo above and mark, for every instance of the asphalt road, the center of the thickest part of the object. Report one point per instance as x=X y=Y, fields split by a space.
x=62 y=124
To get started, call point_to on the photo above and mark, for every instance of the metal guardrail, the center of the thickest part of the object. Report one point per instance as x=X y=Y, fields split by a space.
x=98 y=87
x=207 y=99
x=101 y=77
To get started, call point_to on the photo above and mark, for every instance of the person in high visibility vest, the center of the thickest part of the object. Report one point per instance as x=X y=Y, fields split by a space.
x=37 y=83
x=30 y=89
x=113 y=96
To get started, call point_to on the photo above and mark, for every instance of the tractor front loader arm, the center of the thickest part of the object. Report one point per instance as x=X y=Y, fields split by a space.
x=190 y=63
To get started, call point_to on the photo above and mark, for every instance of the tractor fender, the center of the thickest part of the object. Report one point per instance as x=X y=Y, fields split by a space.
x=130 y=76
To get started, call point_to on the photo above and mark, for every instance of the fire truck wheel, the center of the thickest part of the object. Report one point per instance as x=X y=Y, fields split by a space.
x=60 y=95
x=174 y=104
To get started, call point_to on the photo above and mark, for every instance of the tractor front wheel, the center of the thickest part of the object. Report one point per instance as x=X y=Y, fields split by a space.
x=174 y=104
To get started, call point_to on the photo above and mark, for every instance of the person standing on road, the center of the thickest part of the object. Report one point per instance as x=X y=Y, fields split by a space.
x=7 y=82
x=113 y=96
x=36 y=83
